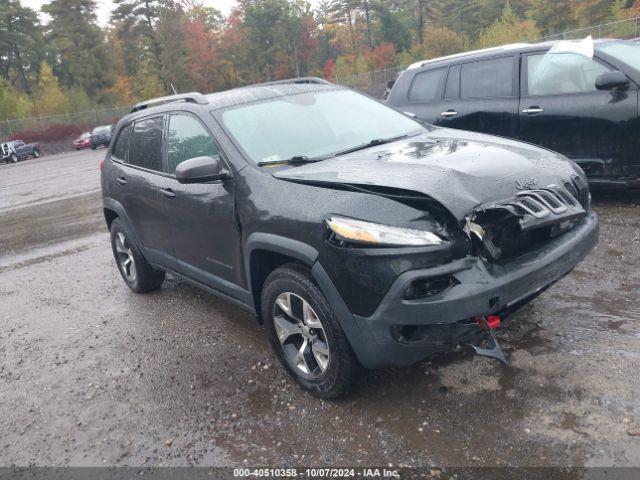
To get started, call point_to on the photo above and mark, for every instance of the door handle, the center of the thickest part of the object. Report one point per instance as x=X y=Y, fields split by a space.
x=167 y=193
x=533 y=110
x=449 y=113
x=121 y=181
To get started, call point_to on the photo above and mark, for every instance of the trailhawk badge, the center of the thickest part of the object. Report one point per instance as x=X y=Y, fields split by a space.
x=526 y=183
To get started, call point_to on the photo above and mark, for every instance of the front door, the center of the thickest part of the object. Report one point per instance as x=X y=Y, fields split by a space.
x=205 y=236
x=562 y=110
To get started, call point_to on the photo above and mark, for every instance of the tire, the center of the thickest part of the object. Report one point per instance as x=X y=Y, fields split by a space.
x=36 y=153
x=136 y=272
x=330 y=364
x=93 y=147
x=14 y=158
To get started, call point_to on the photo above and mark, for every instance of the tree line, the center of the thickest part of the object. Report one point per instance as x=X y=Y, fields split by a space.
x=65 y=61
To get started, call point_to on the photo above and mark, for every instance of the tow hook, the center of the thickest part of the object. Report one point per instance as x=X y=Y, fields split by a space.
x=490 y=345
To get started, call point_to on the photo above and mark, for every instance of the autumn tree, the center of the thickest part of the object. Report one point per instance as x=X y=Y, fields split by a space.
x=202 y=55
x=49 y=98
x=13 y=102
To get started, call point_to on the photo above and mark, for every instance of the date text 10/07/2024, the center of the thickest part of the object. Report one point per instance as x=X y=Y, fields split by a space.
x=316 y=472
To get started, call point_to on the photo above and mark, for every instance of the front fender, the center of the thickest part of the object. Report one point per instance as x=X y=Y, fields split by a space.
x=360 y=341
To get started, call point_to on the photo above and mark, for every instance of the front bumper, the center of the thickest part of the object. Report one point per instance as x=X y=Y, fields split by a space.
x=483 y=289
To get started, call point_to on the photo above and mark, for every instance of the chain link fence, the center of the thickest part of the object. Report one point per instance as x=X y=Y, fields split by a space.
x=8 y=128
x=373 y=83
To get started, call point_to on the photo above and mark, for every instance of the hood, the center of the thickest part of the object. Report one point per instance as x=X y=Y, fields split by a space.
x=461 y=170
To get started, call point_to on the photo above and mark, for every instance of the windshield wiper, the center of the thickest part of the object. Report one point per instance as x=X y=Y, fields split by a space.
x=372 y=143
x=295 y=160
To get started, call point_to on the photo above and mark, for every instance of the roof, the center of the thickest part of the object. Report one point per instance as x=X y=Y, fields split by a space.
x=513 y=47
x=238 y=96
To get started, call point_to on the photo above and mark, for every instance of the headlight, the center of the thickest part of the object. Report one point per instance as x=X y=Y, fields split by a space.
x=357 y=231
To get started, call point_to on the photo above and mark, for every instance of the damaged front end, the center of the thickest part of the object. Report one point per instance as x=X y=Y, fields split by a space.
x=502 y=230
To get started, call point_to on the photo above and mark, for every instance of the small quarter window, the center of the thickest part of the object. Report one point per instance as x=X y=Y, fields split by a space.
x=122 y=144
x=452 y=89
x=426 y=86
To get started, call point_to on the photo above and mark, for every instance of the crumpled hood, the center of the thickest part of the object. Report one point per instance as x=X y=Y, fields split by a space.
x=459 y=169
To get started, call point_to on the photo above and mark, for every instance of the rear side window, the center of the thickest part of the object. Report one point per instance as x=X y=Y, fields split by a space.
x=122 y=144
x=188 y=138
x=452 y=89
x=487 y=78
x=145 y=149
x=426 y=86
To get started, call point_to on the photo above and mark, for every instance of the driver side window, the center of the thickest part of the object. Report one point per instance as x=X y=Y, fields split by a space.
x=188 y=138
x=562 y=73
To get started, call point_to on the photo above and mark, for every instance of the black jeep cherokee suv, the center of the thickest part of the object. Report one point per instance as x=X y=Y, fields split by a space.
x=357 y=235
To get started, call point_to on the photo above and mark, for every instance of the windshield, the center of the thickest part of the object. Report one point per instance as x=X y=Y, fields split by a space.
x=314 y=124
x=626 y=52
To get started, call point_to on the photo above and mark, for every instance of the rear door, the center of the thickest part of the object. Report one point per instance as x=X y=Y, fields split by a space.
x=561 y=109
x=138 y=180
x=482 y=96
x=205 y=237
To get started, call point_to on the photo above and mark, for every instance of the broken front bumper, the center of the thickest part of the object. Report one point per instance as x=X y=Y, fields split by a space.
x=480 y=288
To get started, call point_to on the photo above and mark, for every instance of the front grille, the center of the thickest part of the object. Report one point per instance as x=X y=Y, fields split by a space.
x=507 y=229
x=546 y=202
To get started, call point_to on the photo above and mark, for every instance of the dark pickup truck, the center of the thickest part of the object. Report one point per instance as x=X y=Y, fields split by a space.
x=17 y=150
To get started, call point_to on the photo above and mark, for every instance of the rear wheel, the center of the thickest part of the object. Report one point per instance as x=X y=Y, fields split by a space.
x=93 y=147
x=36 y=153
x=136 y=272
x=305 y=334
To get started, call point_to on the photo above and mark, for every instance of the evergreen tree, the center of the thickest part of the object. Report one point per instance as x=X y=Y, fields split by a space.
x=21 y=46
x=79 y=51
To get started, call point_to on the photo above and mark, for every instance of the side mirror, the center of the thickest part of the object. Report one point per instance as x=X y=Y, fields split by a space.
x=411 y=115
x=612 y=80
x=201 y=169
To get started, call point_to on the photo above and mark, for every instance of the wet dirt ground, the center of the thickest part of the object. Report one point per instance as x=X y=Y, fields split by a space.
x=93 y=374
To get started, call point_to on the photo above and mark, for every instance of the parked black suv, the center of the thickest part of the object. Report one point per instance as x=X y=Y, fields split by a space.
x=355 y=234
x=583 y=107
x=101 y=136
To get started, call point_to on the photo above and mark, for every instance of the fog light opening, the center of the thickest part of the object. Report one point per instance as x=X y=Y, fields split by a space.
x=429 y=287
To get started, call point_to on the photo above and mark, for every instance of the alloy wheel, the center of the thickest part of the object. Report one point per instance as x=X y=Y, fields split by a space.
x=301 y=335
x=125 y=257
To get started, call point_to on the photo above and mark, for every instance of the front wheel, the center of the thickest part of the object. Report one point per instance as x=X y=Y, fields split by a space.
x=14 y=158
x=36 y=153
x=136 y=272
x=305 y=334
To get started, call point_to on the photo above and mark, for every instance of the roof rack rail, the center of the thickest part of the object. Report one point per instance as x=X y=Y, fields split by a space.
x=192 y=97
x=299 y=80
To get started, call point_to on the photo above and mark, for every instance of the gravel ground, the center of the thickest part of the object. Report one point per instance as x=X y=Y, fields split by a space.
x=92 y=374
